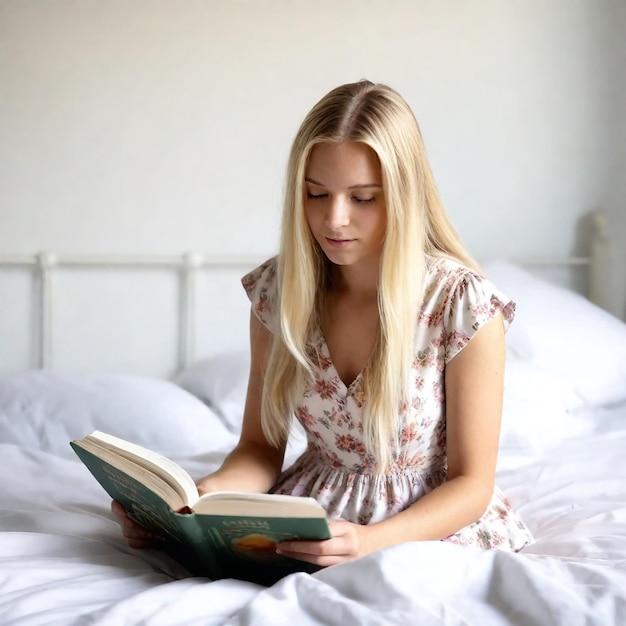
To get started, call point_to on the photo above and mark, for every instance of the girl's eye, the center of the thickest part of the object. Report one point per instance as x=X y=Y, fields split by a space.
x=364 y=200
x=316 y=196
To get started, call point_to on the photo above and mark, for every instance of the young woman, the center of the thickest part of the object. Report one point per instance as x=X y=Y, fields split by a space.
x=376 y=330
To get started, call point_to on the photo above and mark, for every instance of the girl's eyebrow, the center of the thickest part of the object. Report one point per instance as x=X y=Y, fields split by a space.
x=361 y=186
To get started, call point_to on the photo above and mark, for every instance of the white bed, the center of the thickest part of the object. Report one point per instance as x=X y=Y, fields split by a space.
x=562 y=463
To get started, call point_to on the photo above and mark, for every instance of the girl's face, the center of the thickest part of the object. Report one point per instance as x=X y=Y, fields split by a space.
x=345 y=204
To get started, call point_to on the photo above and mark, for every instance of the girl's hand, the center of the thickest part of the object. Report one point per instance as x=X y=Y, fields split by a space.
x=348 y=542
x=136 y=536
x=207 y=485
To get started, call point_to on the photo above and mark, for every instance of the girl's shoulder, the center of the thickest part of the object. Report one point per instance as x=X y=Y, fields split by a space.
x=261 y=287
x=264 y=274
x=458 y=300
x=445 y=276
x=445 y=271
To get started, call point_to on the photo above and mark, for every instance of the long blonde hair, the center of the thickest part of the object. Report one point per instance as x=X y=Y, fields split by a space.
x=417 y=225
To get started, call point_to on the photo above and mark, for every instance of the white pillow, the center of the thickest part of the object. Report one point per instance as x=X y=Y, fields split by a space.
x=222 y=382
x=539 y=407
x=540 y=410
x=565 y=334
x=45 y=410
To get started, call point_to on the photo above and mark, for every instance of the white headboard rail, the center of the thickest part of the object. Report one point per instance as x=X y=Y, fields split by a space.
x=598 y=261
x=46 y=264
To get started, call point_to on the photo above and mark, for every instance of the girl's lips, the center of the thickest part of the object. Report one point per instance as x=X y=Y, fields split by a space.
x=339 y=243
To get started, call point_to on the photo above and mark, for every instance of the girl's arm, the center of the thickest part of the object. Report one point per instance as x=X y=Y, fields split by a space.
x=254 y=465
x=474 y=388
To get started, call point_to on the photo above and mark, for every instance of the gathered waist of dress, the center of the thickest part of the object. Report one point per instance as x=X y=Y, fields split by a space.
x=315 y=458
x=354 y=493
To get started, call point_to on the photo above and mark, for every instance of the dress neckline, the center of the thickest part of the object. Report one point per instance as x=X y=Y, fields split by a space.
x=323 y=346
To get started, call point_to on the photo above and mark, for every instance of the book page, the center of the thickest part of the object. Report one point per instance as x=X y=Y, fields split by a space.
x=258 y=505
x=160 y=465
x=123 y=476
x=177 y=479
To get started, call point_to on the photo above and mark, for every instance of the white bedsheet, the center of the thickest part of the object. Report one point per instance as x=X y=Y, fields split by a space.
x=62 y=560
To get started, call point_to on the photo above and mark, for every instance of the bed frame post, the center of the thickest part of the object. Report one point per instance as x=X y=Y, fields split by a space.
x=191 y=263
x=46 y=262
x=599 y=261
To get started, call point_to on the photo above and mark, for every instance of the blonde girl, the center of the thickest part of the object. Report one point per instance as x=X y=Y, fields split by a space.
x=374 y=328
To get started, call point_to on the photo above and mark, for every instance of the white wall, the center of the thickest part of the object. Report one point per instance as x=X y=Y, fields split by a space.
x=156 y=126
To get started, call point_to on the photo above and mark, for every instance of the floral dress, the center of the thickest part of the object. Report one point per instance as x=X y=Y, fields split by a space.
x=336 y=468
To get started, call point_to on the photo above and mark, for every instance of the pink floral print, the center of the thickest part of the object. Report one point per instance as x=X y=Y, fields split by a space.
x=336 y=467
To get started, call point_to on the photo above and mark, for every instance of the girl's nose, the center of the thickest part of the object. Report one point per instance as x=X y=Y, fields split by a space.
x=338 y=214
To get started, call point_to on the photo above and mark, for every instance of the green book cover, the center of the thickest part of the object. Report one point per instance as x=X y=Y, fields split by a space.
x=217 y=546
x=245 y=546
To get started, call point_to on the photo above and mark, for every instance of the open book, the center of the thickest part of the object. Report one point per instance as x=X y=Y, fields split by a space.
x=221 y=534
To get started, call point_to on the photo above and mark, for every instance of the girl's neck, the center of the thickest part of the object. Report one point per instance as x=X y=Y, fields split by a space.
x=359 y=282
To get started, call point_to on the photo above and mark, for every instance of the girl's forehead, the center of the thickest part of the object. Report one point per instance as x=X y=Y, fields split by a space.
x=345 y=164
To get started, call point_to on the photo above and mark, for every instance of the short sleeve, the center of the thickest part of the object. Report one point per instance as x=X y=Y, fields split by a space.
x=473 y=302
x=262 y=288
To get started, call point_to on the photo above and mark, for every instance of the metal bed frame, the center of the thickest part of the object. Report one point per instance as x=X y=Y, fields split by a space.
x=45 y=265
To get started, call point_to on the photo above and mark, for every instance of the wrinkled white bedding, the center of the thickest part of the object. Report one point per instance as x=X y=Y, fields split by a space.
x=62 y=560
x=562 y=464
